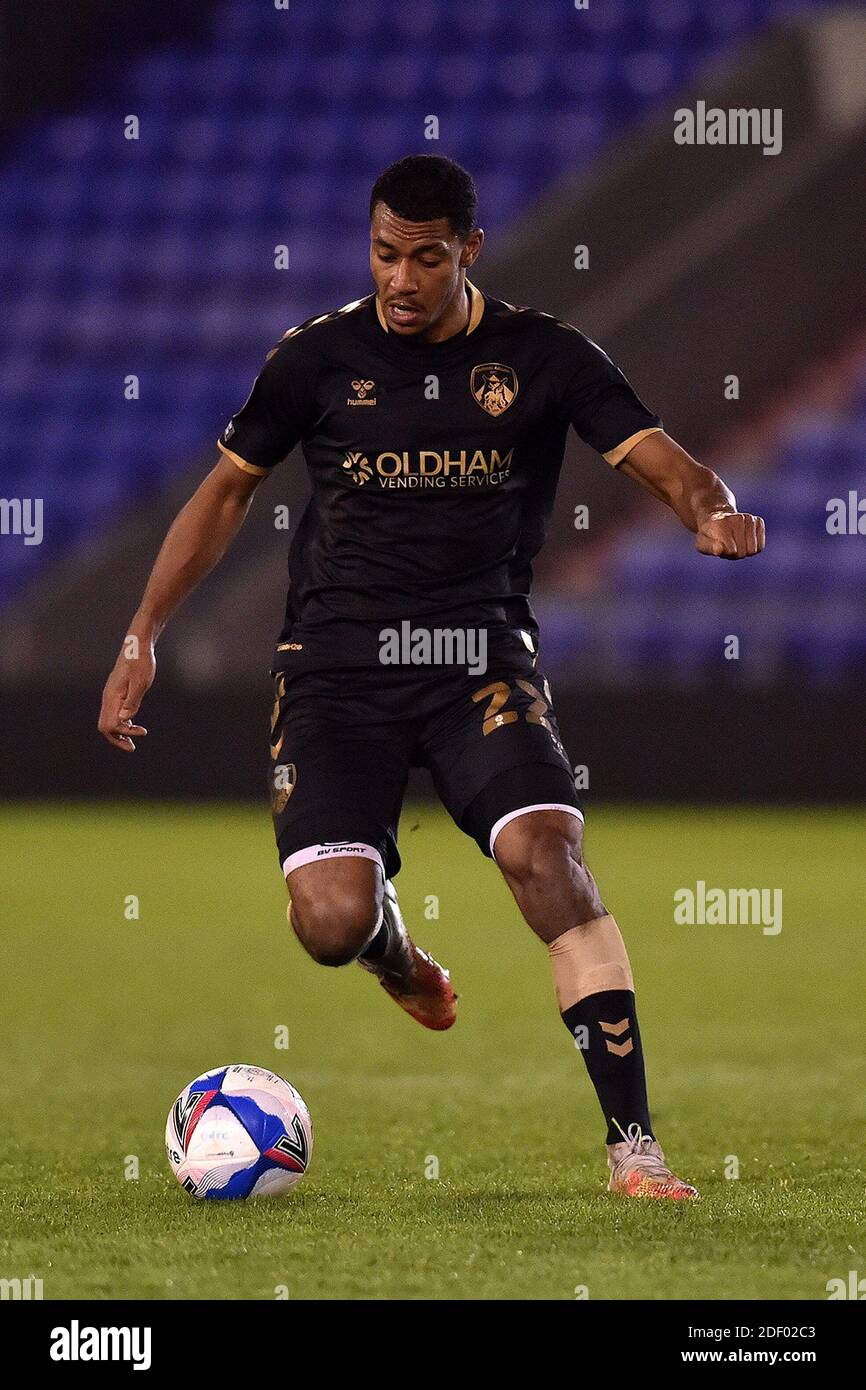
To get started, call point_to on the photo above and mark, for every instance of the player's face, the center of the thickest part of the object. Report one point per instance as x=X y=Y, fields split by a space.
x=417 y=268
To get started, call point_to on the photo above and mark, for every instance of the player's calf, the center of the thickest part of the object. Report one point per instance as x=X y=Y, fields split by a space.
x=540 y=854
x=413 y=979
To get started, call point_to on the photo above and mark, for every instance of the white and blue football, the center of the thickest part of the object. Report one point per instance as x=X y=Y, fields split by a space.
x=238 y=1132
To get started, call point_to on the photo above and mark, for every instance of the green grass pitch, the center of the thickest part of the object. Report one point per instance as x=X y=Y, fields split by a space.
x=753 y=1042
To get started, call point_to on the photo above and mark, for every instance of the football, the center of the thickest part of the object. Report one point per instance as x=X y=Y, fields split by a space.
x=238 y=1132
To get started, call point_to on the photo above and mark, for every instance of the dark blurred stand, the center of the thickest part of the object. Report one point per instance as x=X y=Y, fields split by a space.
x=710 y=745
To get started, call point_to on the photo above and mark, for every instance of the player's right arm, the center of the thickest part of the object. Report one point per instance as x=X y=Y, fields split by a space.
x=264 y=431
x=197 y=539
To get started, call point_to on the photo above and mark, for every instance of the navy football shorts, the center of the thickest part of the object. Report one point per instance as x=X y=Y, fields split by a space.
x=343 y=742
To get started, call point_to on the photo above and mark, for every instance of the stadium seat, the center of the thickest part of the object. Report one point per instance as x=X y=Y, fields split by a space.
x=141 y=256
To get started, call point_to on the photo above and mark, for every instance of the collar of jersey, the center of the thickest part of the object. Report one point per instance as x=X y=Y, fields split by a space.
x=455 y=342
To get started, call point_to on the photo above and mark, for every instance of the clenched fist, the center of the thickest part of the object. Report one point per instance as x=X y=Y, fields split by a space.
x=731 y=535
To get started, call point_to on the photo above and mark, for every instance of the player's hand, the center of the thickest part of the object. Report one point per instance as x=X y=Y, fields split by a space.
x=731 y=535
x=124 y=691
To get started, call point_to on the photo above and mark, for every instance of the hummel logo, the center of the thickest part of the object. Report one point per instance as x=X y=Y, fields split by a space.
x=617 y=1029
x=362 y=396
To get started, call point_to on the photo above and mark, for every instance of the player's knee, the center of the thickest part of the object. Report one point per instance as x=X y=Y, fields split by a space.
x=336 y=925
x=335 y=928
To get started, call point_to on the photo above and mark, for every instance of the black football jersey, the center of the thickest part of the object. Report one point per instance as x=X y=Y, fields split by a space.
x=433 y=465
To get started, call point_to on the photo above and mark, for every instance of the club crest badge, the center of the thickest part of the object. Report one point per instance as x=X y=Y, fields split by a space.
x=494 y=386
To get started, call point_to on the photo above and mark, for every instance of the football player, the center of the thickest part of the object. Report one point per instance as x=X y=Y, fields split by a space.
x=433 y=419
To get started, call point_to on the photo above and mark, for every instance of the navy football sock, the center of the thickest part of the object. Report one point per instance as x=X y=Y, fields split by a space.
x=604 y=1027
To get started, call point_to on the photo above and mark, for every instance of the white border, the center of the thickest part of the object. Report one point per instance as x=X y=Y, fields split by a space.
x=525 y=810
x=316 y=854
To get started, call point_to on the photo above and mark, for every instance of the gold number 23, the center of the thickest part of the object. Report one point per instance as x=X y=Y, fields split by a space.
x=495 y=716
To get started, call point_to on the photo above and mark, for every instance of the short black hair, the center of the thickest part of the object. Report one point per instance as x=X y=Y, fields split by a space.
x=422 y=187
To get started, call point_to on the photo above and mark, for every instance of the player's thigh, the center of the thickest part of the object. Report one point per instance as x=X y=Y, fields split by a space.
x=337 y=779
x=495 y=752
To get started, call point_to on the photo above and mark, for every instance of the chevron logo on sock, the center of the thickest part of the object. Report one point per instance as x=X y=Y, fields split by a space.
x=617 y=1029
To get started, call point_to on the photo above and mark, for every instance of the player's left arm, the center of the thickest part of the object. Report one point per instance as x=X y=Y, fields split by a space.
x=703 y=503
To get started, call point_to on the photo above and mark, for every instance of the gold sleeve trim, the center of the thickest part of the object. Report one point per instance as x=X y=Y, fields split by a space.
x=615 y=456
x=242 y=463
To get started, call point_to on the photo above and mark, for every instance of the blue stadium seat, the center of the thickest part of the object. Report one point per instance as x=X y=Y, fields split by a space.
x=143 y=255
